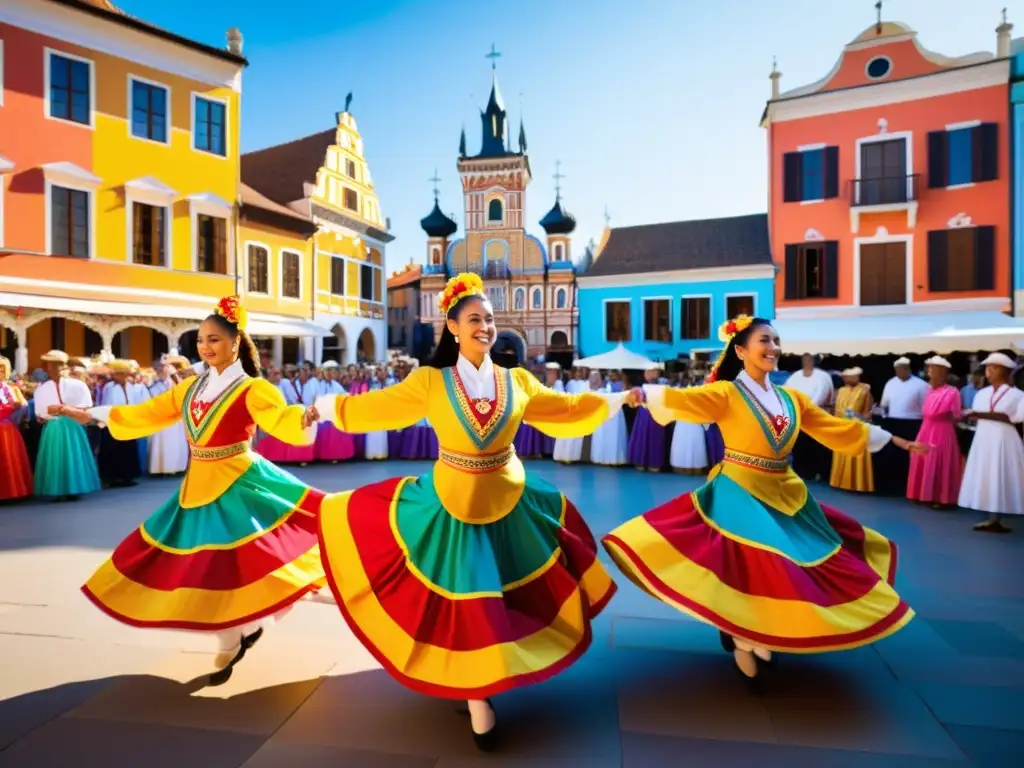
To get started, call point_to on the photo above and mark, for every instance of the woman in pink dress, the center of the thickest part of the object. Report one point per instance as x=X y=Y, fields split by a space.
x=935 y=476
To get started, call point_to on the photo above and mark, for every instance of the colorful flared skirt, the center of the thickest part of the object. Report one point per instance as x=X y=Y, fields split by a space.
x=280 y=452
x=332 y=444
x=814 y=581
x=243 y=557
x=15 y=469
x=647 y=442
x=462 y=610
x=65 y=465
x=531 y=443
x=419 y=442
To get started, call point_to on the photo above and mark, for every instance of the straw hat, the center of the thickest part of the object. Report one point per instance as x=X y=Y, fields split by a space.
x=55 y=356
x=123 y=366
x=553 y=366
x=998 y=358
x=901 y=361
x=329 y=364
x=855 y=371
x=938 y=360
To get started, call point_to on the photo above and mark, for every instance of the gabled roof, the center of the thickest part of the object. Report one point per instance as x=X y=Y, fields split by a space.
x=736 y=241
x=258 y=207
x=282 y=171
x=411 y=274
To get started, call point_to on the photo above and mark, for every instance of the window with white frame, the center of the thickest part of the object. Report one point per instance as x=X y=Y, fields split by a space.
x=561 y=298
x=291 y=276
x=211 y=244
x=209 y=125
x=69 y=222
x=69 y=87
x=739 y=305
x=258 y=259
x=148 y=107
x=519 y=299
x=536 y=298
x=657 y=320
x=617 y=321
x=149 y=234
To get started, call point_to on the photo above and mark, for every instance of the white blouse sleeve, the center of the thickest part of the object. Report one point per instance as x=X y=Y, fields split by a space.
x=878 y=438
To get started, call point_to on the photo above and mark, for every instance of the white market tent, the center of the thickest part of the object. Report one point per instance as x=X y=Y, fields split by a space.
x=899 y=334
x=618 y=359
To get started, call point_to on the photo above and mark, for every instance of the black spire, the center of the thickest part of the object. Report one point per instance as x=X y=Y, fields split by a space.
x=435 y=223
x=494 y=119
x=558 y=221
x=522 y=137
x=462 y=142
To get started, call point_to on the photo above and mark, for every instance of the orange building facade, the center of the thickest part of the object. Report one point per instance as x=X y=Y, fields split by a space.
x=889 y=188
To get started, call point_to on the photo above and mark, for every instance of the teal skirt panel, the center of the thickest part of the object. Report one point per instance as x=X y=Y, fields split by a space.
x=65 y=464
x=264 y=492
x=805 y=537
x=465 y=558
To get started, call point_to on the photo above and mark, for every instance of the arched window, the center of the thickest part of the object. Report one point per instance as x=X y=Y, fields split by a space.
x=535 y=298
x=559 y=339
x=519 y=301
x=435 y=255
x=560 y=295
x=494 y=210
x=558 y=251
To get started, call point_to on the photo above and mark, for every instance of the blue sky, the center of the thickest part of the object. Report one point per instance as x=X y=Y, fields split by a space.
x=652 y=106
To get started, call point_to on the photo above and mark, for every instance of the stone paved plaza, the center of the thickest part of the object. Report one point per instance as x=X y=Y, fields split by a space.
x=77 y=689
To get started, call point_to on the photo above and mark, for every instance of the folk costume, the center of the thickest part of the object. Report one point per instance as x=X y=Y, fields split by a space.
x=15 y=469
x=377 y=442
x=168 y=448
x=609 y=444
x=237 y=544
x=119 y=460
x=649 y=440
x=331 y=444
x=751 y=552
x=853 y=472
x=569 y=450
x=935 y=476
x=65 y=465
x=280 y=451
x=811 y=459
x=477 y=577
x=530 y=442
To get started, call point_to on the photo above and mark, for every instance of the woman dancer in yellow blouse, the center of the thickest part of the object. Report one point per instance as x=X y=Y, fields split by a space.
x=238 y=544
x=477 y=577
x=853 y=401
x=751 y=552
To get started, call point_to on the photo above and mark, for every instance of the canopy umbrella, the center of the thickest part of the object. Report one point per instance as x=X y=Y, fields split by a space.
x=618 y=359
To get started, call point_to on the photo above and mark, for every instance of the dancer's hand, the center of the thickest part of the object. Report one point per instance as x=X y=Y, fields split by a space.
x=310 y=417
x=55 y=410
x=911 y=446
x=967 y=414
x=635 y=397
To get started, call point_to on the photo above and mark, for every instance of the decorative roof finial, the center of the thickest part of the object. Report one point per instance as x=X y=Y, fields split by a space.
x=774 y=76
x=558 y=176
x=348 y=101
x=878 y=21
x=607 y=217
x=1004 y=15
x=494 y=55
x=435 y=180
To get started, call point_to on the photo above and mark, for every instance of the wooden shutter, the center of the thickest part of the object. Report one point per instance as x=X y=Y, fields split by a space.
x=938 y=159
x=792 y=171
x=938 y=260
x=985 y=152
x=831 y=171
x=792 y=270
x=830 y=278
x=220 y=245
x=985 y=258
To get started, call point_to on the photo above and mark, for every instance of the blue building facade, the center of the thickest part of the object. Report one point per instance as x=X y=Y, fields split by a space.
x=663 y=290
x=1017 y=195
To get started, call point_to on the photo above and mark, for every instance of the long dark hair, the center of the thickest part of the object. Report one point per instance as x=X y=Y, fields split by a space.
x=246 y=349
x=447 y=353
x=729 y=364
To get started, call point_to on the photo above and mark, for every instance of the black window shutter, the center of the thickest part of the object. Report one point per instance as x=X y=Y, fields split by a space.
x=831 y=172
x=985 y=258
x=792 y=171
x=792 y=268
x=938 y=260
x=985 y=152
x=830 y=282
x=938 y=159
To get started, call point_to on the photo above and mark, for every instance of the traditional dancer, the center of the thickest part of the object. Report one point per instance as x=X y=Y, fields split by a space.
x=648 y=440
x=119 y=460
x=751 y=552
x=995 y=466
x=65 y=465
x=15 y=469
x=810 y=458
x=238 y=544
x=853 y=401
x=477 y=577
x=281 y=451
x=935 y=476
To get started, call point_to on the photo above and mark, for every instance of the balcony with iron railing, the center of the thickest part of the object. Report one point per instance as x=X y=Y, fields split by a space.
x=882 y=194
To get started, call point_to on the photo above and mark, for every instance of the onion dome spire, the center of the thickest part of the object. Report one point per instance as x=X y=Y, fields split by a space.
x=435 y=223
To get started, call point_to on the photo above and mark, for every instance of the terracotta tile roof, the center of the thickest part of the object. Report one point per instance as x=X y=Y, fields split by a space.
x=705 y=244
x=410 y=275
x=250 y=197
x=279 y=172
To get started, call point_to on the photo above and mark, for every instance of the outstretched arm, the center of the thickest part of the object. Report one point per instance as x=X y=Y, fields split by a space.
x=271 y=412
x=696 y=405
x=849 y=437
x=395 y=407
x=131 y=422
x=561 y=415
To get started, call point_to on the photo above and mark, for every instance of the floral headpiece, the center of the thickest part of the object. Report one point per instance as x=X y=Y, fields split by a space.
x=231 y=309
x=458 y=288
x=726 y=333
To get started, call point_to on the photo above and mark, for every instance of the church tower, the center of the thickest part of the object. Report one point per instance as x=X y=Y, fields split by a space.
x=438 y=228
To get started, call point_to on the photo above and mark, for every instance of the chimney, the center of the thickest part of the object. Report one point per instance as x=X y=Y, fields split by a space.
x=774 y=77
x=235 y=41
x=1003 y=38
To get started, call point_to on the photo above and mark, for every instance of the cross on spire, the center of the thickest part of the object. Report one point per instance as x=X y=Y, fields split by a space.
x=494 y=55
x=558 y=176
x=435 y=181
x=878 y=20
x=607 y=216
x=1004 y=16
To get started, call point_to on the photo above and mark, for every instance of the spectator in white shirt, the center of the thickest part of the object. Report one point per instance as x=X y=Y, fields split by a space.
x=811 y=460
x=902 y=401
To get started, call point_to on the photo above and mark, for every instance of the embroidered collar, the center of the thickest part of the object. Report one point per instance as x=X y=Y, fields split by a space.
x=777 y=429
x=199 y=410
x=470 y=373
x=483 y=423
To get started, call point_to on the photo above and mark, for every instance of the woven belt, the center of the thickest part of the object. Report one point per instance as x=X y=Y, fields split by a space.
x=476 y=463
x=762 y=463
x=223 y=452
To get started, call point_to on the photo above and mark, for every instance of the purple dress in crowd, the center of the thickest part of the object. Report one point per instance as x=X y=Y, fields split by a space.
x=647 y=442
x=716 y=446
